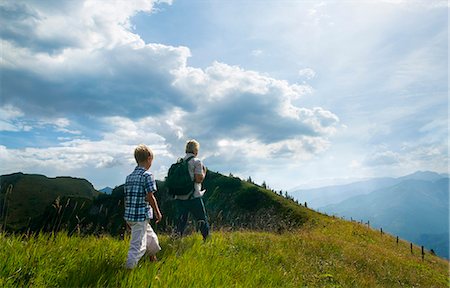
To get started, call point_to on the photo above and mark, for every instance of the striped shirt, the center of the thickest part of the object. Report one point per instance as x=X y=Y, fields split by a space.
x=137 y=185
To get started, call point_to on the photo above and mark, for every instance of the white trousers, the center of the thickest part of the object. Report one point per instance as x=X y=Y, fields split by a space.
x=143 y=239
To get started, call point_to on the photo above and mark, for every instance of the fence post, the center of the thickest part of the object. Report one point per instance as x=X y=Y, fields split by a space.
x=411 y=248
x=381 y=230
x=423 y=254
x=397 y=240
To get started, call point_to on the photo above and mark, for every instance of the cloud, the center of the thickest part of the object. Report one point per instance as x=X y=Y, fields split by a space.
x=124 y=76
x=52 y=26
x=76 y=68
x=81 y=88
x=246 y=104
x=383 y=159
x=425 y=4
x=114 y=148
x=307 y=73
x=90 y=54
x=126 y=81
x=13 y=119
x=257 y=52
x=9 y=119
x=411 y=156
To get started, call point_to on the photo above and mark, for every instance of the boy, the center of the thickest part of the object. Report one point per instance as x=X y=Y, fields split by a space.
x=140 y=204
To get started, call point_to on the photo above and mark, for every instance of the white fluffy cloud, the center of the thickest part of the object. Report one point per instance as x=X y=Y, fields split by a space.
x=52 y=26
x=86 y=61
x=114 y=148
x=9 y=119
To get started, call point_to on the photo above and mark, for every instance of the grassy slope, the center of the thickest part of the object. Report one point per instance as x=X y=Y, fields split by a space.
x=326 y=252
x=32 y=193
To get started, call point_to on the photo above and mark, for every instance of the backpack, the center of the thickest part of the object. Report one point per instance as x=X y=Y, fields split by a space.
x=178 y=180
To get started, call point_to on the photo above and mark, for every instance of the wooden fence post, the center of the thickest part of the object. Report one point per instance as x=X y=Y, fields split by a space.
x=423 y=254
x=397 y=240
x=411 y=248
x=381 y=230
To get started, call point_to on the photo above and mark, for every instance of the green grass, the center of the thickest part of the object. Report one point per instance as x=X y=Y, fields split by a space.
x=326 y=252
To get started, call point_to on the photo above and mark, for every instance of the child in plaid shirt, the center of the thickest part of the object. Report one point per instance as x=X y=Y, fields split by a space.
x=140 y=204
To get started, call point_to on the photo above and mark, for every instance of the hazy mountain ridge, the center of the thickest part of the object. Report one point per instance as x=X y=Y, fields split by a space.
x=425 y=175
x=327 y=195
x=318 y=197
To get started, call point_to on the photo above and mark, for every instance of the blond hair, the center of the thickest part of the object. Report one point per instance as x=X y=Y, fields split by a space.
x=192 y=146
x=142 y=152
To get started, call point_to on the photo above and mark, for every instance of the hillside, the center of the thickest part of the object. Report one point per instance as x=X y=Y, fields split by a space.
x=71 y=204
x=414 y=206
x=233 y=203
x=416 y=210
x=259 y=238
x=25 y=197
x=325 y=252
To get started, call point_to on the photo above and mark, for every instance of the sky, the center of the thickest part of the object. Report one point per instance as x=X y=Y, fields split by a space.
x=292 y=93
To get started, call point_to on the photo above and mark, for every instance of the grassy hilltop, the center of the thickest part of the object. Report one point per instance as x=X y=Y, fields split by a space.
x=25 y=197
x=326 y=252
x=259 y=239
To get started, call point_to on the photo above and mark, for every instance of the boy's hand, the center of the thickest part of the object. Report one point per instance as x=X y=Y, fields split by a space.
x=152 y=201
x=158 y=216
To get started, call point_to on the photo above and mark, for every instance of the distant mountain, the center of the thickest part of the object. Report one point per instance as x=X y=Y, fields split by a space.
x=415 y=210
x=319 y=197
x=323 y=196
x=424 y=175
x=106 y=190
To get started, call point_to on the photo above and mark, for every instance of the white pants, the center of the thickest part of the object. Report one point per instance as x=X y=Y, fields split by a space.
x=143 y=239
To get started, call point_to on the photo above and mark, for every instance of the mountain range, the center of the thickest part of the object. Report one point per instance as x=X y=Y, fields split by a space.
x=415 y=207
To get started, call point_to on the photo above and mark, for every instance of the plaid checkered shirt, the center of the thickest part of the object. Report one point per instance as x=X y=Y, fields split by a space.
x=137 y=185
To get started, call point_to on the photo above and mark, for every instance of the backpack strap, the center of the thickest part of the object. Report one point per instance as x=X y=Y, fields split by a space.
x=189 y=158
x=191 y=194
x=187 y=163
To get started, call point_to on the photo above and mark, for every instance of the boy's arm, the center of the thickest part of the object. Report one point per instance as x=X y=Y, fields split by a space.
x=152 y=201
x=200 y=173
x=199 y=178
